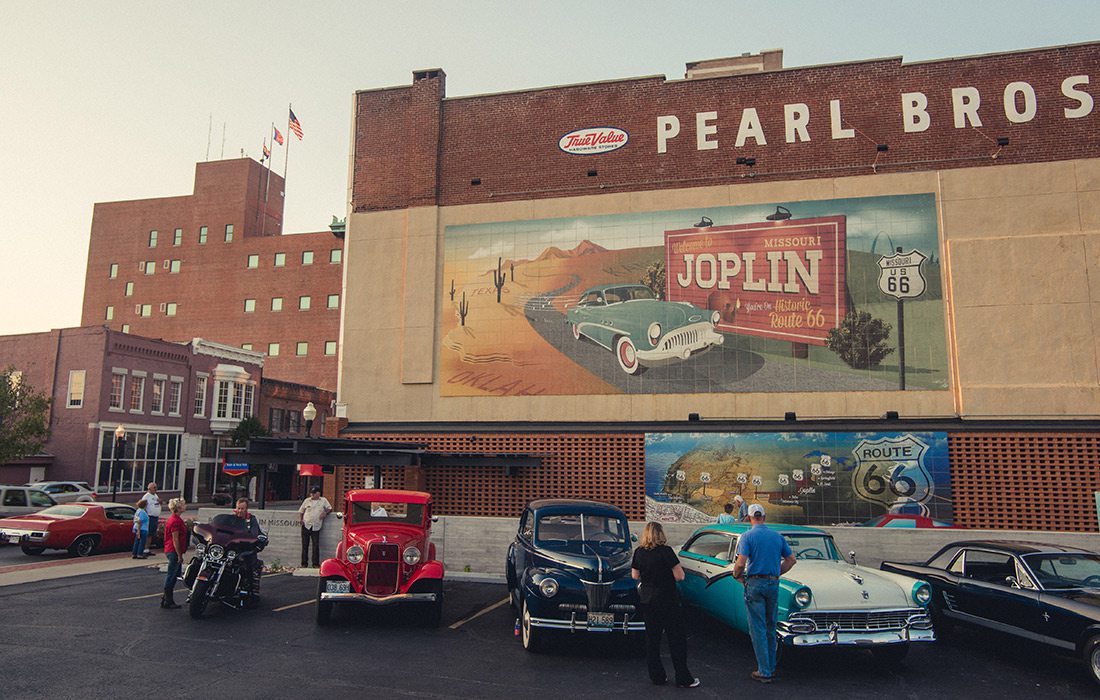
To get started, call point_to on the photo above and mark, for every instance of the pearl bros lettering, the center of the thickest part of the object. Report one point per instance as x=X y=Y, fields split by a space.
x=1018 y=101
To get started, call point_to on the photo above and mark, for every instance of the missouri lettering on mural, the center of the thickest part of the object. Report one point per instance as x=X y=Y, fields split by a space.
x=1017 y=102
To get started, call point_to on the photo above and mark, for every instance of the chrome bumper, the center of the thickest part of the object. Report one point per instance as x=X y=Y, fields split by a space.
x=573 y=625
x=682 y=343
x=22 y=536
x=380 y=600
x=855 y=638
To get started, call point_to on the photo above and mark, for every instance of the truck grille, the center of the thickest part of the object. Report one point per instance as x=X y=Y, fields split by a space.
x=860 y=620
x=383 y=568
x=598 y=595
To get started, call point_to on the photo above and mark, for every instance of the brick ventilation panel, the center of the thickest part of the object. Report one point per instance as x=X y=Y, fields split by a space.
x=1025 y=481
x=608 y=467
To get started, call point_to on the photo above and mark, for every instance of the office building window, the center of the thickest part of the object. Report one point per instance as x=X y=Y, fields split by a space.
x=249 y=305
x=126 y=328
x=330 y=347
x=175 y=395
x=253 y=262
x=246 y=346
x=129 y=289
x=302 y=349
x=229 y=233
x=110 y=315
x=334 y=301
x=177 y=237
x=280 y=259
x=203 y=230
x=150 y=267
x=174 y=267
x=170 y=309
x=307 y=257
x=276 y=303
x=303 y=303
x=137 y=393
x=114 y=271
x=335 y=255
x=118 y=390
x=145 y=310
x=76 y=388
x=200 y=394
x=152 y=239
x=157 y=402
x=272 y=349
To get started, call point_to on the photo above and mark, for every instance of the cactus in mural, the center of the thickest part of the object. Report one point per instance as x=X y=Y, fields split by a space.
x=452 y=290
x=512 y=269
x=463 y=309
x=498 y=278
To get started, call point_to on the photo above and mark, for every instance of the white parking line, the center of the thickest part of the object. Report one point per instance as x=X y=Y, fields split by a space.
x=478 y=614
x=140 y=597
x=295 y=605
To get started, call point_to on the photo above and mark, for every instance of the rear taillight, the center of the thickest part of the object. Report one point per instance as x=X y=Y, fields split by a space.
x=93 y=496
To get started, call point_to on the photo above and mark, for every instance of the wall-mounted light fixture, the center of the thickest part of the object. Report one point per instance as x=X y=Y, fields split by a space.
x=882 y=147
x=592 y=172
x=790 y=417
x=693 y=417
x=475 y=181
x=704 y=222
x=890 y=415
x=1002 y=141
x=746 y=161
x=781 y=214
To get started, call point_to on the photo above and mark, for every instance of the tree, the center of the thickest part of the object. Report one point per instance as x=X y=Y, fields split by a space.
x=24 y=418
x=860 y=340
x=654 y=278
x=248 y=428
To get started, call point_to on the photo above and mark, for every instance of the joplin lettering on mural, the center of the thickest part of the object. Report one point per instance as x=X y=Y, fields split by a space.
x=782 y=279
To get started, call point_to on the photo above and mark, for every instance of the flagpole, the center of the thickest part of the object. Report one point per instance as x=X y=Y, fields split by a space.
x=267 y=187
x=286 y=157
x=260 y=182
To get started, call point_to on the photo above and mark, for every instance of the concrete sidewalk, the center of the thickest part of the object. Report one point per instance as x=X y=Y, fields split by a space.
x=49 y=570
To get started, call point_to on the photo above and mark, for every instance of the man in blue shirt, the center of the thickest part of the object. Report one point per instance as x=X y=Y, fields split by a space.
x=763 y=555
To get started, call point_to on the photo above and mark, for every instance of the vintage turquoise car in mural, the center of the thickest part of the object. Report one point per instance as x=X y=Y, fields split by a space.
x=823 y=600
x=629 y=320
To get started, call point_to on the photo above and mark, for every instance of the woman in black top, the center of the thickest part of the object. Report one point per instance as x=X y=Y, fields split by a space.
x=657 y=568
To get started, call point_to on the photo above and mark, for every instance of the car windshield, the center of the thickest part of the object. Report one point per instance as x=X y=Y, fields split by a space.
x=617 y=294
x=363 y=512
x=579 y=532
x=1065 y=570
x=874 y=522
x=63 y=511
x=811 y=546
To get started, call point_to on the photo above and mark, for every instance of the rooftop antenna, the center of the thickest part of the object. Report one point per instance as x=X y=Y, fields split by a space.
x=209 y=131
x=223 y=141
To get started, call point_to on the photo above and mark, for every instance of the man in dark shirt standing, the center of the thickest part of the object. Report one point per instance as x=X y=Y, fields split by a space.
x=762 y=557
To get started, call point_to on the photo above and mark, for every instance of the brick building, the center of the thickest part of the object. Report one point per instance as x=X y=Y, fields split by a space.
x=214 y=264
x=887 y=266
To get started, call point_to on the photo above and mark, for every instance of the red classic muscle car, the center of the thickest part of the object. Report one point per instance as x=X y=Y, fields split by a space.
x=385 y=556
x=81 y=528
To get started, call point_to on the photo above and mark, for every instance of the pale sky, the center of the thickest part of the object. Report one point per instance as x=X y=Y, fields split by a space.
x=106 y=101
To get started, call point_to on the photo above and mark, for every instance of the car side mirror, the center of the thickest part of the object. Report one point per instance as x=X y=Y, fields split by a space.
x=852 y=557
x=435 y=518
x=1013 y=582
x=633 y=538
x=339 y=516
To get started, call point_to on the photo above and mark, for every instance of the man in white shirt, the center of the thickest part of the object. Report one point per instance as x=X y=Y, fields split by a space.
x=311 y=516
x=152 y=509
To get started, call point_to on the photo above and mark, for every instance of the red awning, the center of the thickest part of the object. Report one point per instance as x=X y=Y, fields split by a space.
x=309 y=470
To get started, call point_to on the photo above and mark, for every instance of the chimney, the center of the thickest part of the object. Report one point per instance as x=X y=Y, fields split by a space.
x=766 y=60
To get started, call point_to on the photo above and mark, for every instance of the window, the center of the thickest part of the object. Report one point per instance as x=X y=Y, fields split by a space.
x=272 y=349
x=711 y=544
x=202 y=235
x=302 y=349
x=175 y=393
x=303 y=303
x=110 y=315
x=307 y=257
x=170 y=309
x=275 y=419
x=137 y=394
x=129 y=289
x=334 y=301
x=150 y=266
x=276 y=303
x=145 y=310
x=76 y=388
x=151 y=456
x=177 y=237
x=330 y=347
x=253 y=262
x=229 y=233
x=174 y=267
x=233 y=399
x=280 y=259
x=246 y=346
x=114 y=271
x=336 y=255
x=126 y=328
x=293 y=420
x=200 y=395
x=991 y=567
x=238 y=401
x=153 y=239
x=157 y=404
x=249 y=305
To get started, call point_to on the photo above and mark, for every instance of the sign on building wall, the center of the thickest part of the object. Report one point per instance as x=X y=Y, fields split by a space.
x=782 y=297
x=799 y=478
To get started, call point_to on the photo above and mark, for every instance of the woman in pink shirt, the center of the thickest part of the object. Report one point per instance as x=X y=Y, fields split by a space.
x=175 y=544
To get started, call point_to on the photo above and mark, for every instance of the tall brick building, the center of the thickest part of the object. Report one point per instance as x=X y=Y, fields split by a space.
x=838 y=290
x=215 y=264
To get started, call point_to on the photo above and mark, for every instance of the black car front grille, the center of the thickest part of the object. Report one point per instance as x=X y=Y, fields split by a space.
x=598 y=595
x=860 y=620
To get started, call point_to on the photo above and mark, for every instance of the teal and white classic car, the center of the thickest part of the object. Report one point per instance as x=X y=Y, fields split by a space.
x=629 y=320
x=823 y=600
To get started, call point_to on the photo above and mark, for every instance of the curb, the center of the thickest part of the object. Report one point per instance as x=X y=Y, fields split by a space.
x=472 y=577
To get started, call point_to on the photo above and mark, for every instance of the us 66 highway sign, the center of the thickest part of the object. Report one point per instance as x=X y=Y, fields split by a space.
x=901 y=275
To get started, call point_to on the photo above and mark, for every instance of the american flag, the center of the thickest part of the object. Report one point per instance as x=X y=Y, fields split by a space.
x=278 y=137
x=295 y=125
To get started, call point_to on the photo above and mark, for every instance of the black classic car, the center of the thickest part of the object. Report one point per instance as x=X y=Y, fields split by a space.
x=1042 y=592
x=568 y=570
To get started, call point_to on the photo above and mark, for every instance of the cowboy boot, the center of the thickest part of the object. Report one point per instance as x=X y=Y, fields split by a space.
x=169 y=601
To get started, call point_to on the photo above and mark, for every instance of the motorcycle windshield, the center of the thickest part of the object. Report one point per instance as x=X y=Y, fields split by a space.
x=232 y=526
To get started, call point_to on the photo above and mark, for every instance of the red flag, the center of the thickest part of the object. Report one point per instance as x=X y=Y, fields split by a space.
x=278 y=137
x=267 y=152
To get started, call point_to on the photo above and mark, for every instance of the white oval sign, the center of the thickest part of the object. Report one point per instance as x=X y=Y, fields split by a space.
x=593 y=140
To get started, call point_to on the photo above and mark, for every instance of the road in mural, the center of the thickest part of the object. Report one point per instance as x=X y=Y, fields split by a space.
x=799 y=478
x=784 y=297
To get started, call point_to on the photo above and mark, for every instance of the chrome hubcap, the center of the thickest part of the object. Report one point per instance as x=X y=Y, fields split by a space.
x=1094 y=659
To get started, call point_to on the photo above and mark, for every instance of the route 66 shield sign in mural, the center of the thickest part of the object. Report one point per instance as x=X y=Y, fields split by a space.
x=890 y=471
x=901 y=275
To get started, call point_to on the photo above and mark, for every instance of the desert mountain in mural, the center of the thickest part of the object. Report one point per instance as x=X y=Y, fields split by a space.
x=583 y=248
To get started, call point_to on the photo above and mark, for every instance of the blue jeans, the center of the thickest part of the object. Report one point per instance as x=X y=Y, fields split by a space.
x=139 y=542
x=153 y=526
x=174 y=562
x=762 y=601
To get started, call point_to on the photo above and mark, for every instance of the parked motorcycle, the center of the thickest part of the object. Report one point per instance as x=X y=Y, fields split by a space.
x=226 y=567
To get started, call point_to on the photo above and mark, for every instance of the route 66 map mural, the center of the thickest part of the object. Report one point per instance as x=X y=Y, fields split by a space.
x=799 y=478
x=782 y=297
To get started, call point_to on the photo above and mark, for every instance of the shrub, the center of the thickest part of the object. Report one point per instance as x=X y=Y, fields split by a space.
x=860 y=340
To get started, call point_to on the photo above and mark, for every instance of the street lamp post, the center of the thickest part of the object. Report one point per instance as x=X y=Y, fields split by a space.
x=118 y=449
x=309 y=413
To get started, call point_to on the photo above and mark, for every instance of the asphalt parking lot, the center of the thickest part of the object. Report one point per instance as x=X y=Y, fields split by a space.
x=103 y=635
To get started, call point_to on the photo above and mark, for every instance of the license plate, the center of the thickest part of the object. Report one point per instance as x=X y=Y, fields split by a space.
x=601 y=620
x=337 y=586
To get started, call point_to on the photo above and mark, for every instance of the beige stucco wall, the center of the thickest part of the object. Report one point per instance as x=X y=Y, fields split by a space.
x=1020 y=244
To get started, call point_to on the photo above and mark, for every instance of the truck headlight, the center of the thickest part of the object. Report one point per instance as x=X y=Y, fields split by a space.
x=803 y=597
x=355 y=554
x=548 y=587
x=411 y=556
x=922 y=594
x=654 y=333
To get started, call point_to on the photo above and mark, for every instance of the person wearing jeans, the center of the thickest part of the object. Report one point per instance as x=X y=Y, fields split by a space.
x=141 y=530
x=763 y=555
x=175 y=544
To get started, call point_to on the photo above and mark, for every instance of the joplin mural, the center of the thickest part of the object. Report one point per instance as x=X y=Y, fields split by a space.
x=799 y=478
x=784 y=297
